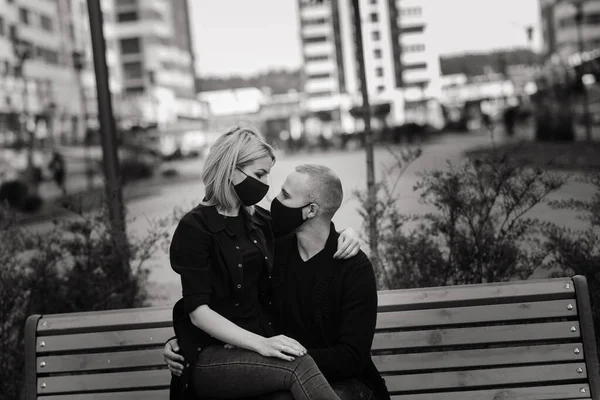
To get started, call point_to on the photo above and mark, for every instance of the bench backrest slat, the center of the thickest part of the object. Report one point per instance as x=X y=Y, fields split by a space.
x=474 y=314
x=516 y=340
x=555 y=392
x=551 y=353
x=101 y=361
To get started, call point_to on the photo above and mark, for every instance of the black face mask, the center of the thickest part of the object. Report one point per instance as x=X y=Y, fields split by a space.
x=250 y=190
x=285 y=219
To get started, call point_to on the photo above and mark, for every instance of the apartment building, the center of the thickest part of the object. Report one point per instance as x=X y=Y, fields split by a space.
x=155 y=60
x=46 y=90
x=401 y=63
x=559 y=26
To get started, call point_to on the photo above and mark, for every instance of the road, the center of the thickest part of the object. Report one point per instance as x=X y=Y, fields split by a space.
x=351 y=167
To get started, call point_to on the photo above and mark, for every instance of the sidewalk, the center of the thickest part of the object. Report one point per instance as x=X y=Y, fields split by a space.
x=88 y=199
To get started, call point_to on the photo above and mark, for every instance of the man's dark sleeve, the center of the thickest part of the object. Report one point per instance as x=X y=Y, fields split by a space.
x=349 y=355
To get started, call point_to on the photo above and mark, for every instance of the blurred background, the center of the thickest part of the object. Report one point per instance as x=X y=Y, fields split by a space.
x=447 y=76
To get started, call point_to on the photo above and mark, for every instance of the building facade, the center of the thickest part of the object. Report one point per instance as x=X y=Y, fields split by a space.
x=401 y=62
x=559 y=26
x=40 y=93
x=155 y=60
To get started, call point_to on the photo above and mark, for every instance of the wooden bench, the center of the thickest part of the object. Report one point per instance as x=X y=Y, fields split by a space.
x=518 y=340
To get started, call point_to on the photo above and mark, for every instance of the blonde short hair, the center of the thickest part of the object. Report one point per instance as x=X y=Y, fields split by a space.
x=235 y=149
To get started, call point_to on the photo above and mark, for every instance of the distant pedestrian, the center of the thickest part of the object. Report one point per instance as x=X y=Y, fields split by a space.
x=57 y=166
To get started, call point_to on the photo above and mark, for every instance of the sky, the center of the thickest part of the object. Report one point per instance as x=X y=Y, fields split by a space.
x=244 y=37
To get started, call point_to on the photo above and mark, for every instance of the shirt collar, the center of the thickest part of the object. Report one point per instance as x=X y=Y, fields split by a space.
x=216 y=223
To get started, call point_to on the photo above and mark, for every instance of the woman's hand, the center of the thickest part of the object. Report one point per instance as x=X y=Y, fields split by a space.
x=348 y=244
x=280 y=347
x=172 y=357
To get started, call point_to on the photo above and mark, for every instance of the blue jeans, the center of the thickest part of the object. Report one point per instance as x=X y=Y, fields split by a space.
x=233 y=373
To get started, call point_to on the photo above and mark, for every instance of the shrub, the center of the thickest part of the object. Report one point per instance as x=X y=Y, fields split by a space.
x=74 y=266
x=31 y=203
x=477 y=231
x=13 y=192
x=577 y=251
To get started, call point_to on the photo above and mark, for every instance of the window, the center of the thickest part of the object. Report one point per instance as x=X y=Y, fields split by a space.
x=415 y=66
x=314 y=21
x=412 y=29
x=325 y=93
x=373 y=1
x=374 y=17
x=133 y=70
x=2 y=27
x=127 y=16
x=379 y=71
x=413 y=48
x=134 y=90
x=46 y=23
x=315 y=39
x=131 y=46
x=319 y=76
x=380 y=88
x=24 y=15
x=376 y=35
x=317 y=58
x=377 y=53
x=411 y=11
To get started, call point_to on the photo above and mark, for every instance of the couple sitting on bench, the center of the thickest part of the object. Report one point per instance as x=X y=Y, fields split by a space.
x=275 y=305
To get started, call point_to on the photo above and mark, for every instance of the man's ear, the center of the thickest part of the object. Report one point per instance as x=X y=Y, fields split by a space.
x=313 y=210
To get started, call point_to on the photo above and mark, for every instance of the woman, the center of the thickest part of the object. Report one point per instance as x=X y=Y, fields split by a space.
x=223 y=250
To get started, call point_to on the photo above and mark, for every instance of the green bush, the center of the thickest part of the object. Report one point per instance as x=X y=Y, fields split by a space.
x=75 y=266
x=476 y=232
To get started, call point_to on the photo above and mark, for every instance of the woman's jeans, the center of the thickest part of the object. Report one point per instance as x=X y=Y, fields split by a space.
x=232 y=373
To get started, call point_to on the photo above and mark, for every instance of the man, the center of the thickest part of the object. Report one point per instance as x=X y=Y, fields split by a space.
x=328 y=305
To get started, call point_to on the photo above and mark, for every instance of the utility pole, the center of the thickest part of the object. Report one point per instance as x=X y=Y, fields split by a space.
x=579 y=16
x=79 y=64
x=366 y=110
x=114 y=194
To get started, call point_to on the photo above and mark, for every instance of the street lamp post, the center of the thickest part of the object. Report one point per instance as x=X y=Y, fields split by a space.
x=78 y=65
x=366 y=109
x=579 y=17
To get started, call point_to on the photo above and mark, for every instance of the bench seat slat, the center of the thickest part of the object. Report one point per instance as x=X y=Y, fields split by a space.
x=479 y=358
x=529 y=393
x=97 y=341
x=138 y=395
x=99 y=361
x=479 y=335
x=113 y=381
x=98 y=321
x=535 y=375
x=465 y=295
x=477 y=314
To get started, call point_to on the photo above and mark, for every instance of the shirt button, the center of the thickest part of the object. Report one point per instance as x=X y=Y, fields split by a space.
x=239 y=286
x=269 y=324
x=270 y=303
x=269 y=276
x=237 y=304
x=266 y=258
x=237 y=247
x=240 y=265
x=254 y=241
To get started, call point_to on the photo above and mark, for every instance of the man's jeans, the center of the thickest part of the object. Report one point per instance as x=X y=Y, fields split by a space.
x=235 y=373
x=351 y=389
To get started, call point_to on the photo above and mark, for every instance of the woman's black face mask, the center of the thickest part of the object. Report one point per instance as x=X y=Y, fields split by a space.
x=250 y=190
